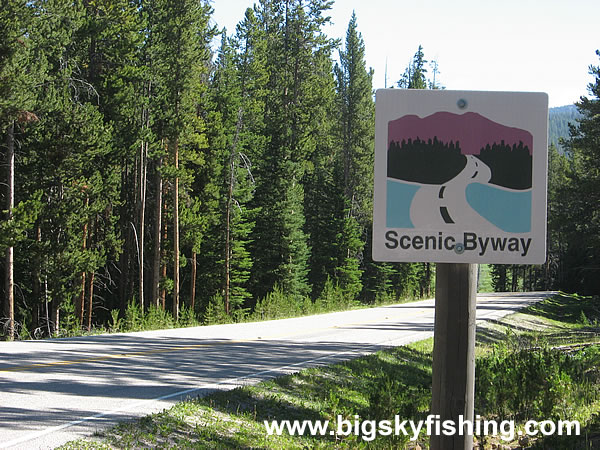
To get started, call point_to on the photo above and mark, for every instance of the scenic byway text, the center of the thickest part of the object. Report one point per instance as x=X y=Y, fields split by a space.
x=470 y=242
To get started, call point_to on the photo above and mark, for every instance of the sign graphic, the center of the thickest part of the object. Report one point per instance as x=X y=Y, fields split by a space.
x=460 y=176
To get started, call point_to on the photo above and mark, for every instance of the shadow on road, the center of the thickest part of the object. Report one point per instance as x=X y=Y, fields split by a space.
x=161 y=368
x=40 y=386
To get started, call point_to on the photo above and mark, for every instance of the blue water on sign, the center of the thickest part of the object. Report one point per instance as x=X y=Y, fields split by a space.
x=508 y=210
x=399 y=198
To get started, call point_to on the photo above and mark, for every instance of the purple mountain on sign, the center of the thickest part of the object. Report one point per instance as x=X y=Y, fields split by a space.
x=434 y=149
x=472 y=130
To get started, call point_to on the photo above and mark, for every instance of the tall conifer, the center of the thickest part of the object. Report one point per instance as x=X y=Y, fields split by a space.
x=295 y=41
x=356 y=134
x=17 y=79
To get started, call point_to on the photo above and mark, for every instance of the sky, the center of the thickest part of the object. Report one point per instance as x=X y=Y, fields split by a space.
x=489 y=45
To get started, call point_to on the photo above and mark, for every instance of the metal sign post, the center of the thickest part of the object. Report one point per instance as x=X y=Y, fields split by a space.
x=460 y=179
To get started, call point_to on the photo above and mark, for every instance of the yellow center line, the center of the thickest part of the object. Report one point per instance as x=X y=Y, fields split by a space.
x=115 y=356
x=118 y=356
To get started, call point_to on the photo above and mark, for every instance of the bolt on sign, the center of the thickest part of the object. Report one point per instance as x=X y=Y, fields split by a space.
x=460 y=176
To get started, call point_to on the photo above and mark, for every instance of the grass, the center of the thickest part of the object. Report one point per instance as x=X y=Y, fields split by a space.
x=275 y=305
x=540 y=363
x=543 y=363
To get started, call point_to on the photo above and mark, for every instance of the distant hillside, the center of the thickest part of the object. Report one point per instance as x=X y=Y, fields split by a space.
x=559 y=119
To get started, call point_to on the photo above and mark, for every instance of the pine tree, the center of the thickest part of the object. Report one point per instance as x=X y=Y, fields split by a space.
x=583 y=194
x=17 y=79
x=180 y=56
x=235 y=108
x=72 y=160
x=415 y=279
x=558 y=220
x=142 y=167
x=295 y=42
x=355 y=102
x=109 y=42
x=325 y=216
x=414 y=76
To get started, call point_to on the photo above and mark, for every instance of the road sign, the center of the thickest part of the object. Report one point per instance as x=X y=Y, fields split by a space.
x=460 y=176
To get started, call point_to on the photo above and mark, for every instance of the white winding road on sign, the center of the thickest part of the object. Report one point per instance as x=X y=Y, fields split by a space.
x=445 y=207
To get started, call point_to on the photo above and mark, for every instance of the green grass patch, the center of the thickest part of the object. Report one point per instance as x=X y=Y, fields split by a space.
x=525 y=371
x=569 y=310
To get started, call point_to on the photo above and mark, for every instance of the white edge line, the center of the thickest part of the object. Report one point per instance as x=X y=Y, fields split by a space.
x=50 y=430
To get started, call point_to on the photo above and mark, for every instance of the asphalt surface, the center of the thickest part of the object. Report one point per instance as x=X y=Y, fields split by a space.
x=57 y=390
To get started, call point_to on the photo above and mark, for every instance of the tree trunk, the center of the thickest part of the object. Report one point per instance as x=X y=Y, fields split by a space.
x=81 y=301
x=126 y=230
x=163 y=274
x=90 y=299
x=176 y=235
x=142 y=194
x=157 y=237
x=193 y=281
x=228 y=236
x=427 y=279
x=227 y=296
x=141 y=220
x=90 y=287
x=47 y=303
x=9 y=306
x=55 y=316
x=36 y=289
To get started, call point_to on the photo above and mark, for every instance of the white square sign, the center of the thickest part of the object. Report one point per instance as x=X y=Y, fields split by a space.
x=460 y=176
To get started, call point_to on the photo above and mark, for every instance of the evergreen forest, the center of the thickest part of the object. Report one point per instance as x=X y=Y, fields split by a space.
x=559 y=120
x=410 y=160
x=511 y=166
x=149 y=174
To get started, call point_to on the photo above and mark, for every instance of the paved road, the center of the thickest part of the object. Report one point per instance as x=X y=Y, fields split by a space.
x=58 y=390
x=448 y=208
